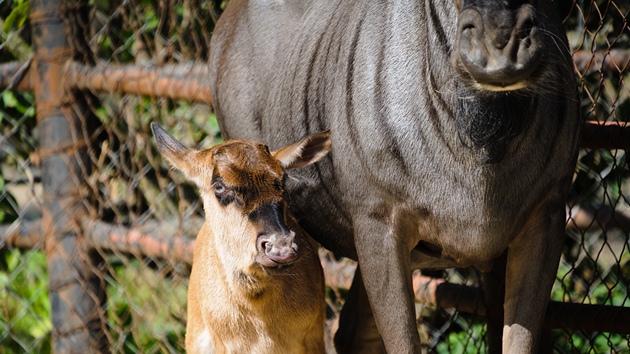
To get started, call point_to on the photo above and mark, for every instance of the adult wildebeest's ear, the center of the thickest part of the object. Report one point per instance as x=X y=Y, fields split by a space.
x=174 y=151
x=305 y=152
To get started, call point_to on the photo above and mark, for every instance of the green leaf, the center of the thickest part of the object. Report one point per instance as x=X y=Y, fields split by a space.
x=11 y=260
x=17 y=17
x=9 y=99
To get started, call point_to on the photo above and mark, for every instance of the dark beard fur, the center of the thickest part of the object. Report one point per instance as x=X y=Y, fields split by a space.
x=488 y=121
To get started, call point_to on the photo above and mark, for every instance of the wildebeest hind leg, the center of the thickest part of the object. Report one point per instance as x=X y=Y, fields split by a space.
x=384 y=254
x=357 y=331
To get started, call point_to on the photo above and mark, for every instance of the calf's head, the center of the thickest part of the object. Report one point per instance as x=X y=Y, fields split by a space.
x=241 y=183
x=499 y=42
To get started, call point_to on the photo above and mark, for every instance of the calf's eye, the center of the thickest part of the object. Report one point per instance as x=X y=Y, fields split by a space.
x=219 y=189
x=223 y=194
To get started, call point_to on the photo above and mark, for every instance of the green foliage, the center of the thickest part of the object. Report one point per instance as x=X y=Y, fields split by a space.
x=581 y=342
x=17 y=132
x=583 y=280
x=7 y=204
x=18 y=16
x=147 y=309
x=469 y=339
x=25 y=323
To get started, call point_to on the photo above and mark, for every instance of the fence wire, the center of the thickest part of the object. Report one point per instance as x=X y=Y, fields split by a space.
x=129 y=187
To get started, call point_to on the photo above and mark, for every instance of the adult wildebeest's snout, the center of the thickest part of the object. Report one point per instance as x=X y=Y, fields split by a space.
x=499 y=43
x=275 y=242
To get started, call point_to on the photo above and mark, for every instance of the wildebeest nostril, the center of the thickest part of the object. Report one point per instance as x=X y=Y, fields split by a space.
x=264 y=245
x=501 y=39
x=267 y=246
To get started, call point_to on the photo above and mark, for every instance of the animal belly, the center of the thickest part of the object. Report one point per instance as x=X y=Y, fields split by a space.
x=461 y=244
x=431 y=256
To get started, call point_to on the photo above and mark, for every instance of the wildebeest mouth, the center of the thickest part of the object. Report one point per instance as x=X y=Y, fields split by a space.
x=268 y=263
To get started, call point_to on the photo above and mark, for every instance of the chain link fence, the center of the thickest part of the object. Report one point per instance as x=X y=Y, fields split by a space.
x=115 y=275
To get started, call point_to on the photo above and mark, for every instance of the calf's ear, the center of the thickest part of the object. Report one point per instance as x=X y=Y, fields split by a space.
x=305 y=152
x=174 y=151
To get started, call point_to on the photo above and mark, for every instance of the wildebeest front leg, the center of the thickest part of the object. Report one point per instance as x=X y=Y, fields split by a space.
x=532 y=264
x=384 y=259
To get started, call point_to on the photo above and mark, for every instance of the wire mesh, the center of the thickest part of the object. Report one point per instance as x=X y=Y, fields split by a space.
x=25 y=324
x=595 y=266
x=130 y=187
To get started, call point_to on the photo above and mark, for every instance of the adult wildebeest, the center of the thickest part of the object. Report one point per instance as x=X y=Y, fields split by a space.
x=454 y=129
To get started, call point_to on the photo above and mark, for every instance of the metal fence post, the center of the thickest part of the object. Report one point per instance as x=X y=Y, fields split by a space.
x=77 y=294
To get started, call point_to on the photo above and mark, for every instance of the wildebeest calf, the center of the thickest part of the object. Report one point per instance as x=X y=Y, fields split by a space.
x=256 y=284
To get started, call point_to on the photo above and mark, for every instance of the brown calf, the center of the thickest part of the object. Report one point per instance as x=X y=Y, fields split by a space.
x=256 y=284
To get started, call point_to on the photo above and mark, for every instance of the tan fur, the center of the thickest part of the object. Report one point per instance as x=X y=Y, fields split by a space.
x=234 y=303
x=279 y=313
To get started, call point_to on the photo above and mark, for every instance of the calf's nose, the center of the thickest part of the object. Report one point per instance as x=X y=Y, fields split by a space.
x=279 y=248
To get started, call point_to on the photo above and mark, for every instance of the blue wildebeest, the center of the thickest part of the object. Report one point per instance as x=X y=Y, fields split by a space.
x=454 y=132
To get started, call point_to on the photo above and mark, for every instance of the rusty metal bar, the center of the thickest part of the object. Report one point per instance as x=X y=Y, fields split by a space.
x=22 y=234
x=589 y=318
x=606 y=135
x=16 y=76
x=27 y=234
x=602 y=218
x=157 y=241
x=164 y=241
x=579 y=317
x=439 y=293
x=613 y=60
x=183 y=81
x=187 y=80
x=77 y=294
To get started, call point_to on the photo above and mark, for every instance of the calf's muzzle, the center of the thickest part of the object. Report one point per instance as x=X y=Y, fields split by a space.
x=275 y=242
x=277 y=249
